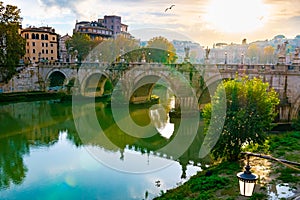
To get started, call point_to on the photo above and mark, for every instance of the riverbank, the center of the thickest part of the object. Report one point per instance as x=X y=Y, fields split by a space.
x=28 y=96
x=276 y=181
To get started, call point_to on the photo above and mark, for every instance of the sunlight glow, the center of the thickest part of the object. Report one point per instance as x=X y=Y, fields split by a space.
x=236 y=16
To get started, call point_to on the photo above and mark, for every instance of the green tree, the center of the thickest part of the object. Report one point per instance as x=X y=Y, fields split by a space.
x=80 y=45
x=161 y=50
x=254 y=53
x=12 y=45
x=250 y=109
x=269 y=54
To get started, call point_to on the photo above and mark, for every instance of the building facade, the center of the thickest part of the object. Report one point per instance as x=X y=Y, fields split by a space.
x=41 y=44
x=108 y=27
x=94 y=29
x=62 y=49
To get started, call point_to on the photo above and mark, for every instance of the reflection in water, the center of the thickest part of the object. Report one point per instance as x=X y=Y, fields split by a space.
x=280 y=191
x=42 y=132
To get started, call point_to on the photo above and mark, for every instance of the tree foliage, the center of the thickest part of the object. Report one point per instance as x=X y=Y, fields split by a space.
x=80 y=45
x=254 y=52
x=115 y=49
x=251 y=107
x=161 y=50
x=12 y=45
x=269 y=55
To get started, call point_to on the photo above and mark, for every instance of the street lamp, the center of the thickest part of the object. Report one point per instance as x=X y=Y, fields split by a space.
x=225 y=58
x=247 y=180
x=149 y=55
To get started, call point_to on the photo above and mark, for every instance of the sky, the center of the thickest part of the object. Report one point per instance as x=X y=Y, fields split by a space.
x=203 y=21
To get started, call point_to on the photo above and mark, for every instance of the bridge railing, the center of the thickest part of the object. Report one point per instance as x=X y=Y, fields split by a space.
x=259 y=68
x=247 y=68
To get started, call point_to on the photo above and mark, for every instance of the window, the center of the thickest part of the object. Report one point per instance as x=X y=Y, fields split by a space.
x=32 y=36
x=43 y=51
x=43 y=37
x=46 y=51
x=51 y=51
x=27 y=50
x=27 y=43
x=33 y=50
x=37 y=36
x=33 y=58
x=51 y=45
x=42 y=44
x=46 y=44
x=46 y=37
x=112 y=27
x=53 y=38
x=33 y=44
x=52 y=58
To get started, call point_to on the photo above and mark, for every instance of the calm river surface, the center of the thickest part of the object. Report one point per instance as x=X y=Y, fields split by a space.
x=49 y=151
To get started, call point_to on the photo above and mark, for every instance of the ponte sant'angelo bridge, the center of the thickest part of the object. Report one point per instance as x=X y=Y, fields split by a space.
x=192 y=84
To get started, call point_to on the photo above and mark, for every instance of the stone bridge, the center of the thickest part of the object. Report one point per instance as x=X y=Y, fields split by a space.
x=192 y=84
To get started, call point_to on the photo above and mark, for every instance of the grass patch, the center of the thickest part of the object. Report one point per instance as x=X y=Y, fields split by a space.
x=258 y=196
x=205 y=184
x=287 y=175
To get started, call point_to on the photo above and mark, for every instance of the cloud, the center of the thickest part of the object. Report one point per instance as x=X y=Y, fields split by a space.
x=63 y=4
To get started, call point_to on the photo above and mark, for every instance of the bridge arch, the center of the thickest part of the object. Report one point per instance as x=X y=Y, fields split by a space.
x=95 y=84
x=211 y=84
x=144 y=83
x=56 y=78
x=295 y=109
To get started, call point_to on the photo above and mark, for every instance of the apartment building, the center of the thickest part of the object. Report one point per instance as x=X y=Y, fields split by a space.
x=41 y=44
x=108 y=27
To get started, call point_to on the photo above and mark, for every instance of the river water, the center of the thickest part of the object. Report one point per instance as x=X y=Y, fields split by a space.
x=53 y=150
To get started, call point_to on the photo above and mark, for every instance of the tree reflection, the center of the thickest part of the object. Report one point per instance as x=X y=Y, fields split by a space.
x=29 y=125
x=12 y=168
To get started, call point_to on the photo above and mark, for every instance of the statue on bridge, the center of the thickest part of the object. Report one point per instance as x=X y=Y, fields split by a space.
x=282 y=53
x=296 y=59
x=187 y=54
x=282 y=49
x=207 y=51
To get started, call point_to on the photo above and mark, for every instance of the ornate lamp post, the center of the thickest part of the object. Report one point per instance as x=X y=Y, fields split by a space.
x=247 y=180
x=225 y=58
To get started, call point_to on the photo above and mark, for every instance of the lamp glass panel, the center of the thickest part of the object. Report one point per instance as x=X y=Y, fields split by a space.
x=249 y=189
x=242 y=186
x=246 y=189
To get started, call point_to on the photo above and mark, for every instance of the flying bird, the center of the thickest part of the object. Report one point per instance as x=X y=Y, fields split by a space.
x=169 y=8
